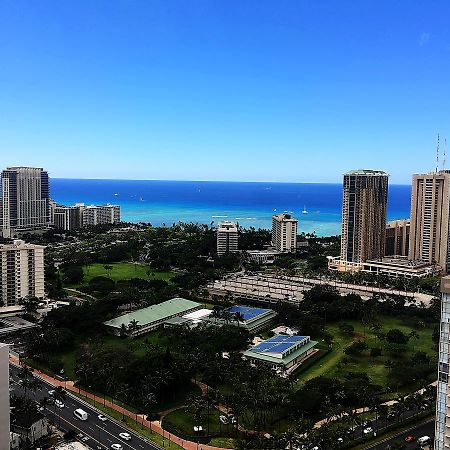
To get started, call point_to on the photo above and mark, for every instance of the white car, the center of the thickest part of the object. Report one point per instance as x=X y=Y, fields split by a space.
x=125 y=436
x=368 y=430
x=116 y=447
x=51 y=392
x=102 y=418
x=59 y=404
x=223 y=419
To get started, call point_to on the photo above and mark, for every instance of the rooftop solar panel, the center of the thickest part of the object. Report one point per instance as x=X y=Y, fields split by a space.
x=277 y=344
x=247 y=312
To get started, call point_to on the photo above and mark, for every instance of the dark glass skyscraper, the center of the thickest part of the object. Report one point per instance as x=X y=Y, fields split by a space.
x=364 y=205
x=24 y=198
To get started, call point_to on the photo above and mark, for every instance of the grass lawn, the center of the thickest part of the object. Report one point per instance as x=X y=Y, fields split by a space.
x=337 y=364
x=124 y=271
x=183 y=421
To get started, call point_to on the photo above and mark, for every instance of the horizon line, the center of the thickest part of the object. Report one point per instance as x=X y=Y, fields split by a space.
x=210 y=181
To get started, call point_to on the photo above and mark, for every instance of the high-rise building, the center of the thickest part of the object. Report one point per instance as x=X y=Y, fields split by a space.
x=24 y=200
x=67 y=218
x=430 y=215
x=442 y=438
x=284 y=232
x=21 y=272
x=4 y=396
x=397 y=238
x=363 y=217
x=227 y=238
x=100 y=214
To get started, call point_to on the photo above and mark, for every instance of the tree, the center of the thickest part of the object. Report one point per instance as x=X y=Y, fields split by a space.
x=375 y=352
x=30 y=304
x=396 y=336
x=356 y=348
x=133 y=326
x=73 y=274
x=346 y=329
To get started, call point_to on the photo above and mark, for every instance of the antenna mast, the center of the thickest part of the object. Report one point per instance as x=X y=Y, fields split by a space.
x=445 y=154
x=437 y=155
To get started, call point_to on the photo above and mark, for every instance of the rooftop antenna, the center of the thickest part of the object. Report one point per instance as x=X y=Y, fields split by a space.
x=445 y=154
x=437 y=155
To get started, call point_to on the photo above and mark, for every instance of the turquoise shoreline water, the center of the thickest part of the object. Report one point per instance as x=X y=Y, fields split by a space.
x=250 y=204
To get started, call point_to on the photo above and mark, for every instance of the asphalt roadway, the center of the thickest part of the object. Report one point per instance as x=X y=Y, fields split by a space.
x=425 y=429
x=100 y=435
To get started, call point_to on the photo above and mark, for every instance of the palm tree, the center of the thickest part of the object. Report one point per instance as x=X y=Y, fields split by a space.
x=414 y=335
x=133 y=326
x=239 y=318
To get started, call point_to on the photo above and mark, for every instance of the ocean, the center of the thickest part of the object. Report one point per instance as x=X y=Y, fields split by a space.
x=249 y=204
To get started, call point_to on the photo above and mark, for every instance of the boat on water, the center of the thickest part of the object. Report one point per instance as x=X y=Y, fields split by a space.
x=305 y=211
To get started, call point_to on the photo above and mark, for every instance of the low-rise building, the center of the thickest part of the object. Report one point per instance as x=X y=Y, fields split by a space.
x=147 y=319
x=282 y=353
x=391 y=266
x=263 y=256
x=30 y=427
x=250 y=318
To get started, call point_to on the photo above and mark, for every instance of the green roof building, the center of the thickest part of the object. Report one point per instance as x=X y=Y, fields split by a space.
x=147 y=319
x=283 y=353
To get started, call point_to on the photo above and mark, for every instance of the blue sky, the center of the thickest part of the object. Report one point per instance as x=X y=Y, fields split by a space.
x=224 y=90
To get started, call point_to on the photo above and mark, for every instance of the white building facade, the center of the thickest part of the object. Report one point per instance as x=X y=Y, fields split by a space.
x=227 y=238
x=442 y=435
x=284 y=232
x=21 y=272
x=100 y=215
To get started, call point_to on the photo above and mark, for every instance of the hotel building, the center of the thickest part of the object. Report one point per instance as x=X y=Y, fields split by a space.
x=21 y=272
x=363 y=217
x=100 y=214
x=24 y=205
x=227 y=238
x=397 y=238
x=430 y=215
x=67 y=218
x=284 y=232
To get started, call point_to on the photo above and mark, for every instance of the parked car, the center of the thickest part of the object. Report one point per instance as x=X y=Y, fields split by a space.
x=51 y=392
x=102 y=418
x=116 y=447
x=410 y=438
x=59 y=404
x=368 y=430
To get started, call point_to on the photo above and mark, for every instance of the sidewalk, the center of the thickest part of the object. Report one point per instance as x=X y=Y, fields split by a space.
x=154 y=426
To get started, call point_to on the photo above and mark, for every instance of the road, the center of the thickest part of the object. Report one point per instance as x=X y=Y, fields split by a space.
x=101 y=434
x=426 y=429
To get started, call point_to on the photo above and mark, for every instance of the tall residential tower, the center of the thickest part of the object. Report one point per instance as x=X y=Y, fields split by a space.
x=21 y=272
x=227 y=238
x=442 y=439
x=364 y=205
x=284 y=232
x=430 y=215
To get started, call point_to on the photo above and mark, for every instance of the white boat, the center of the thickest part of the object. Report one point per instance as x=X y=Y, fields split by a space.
x=305 y=211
